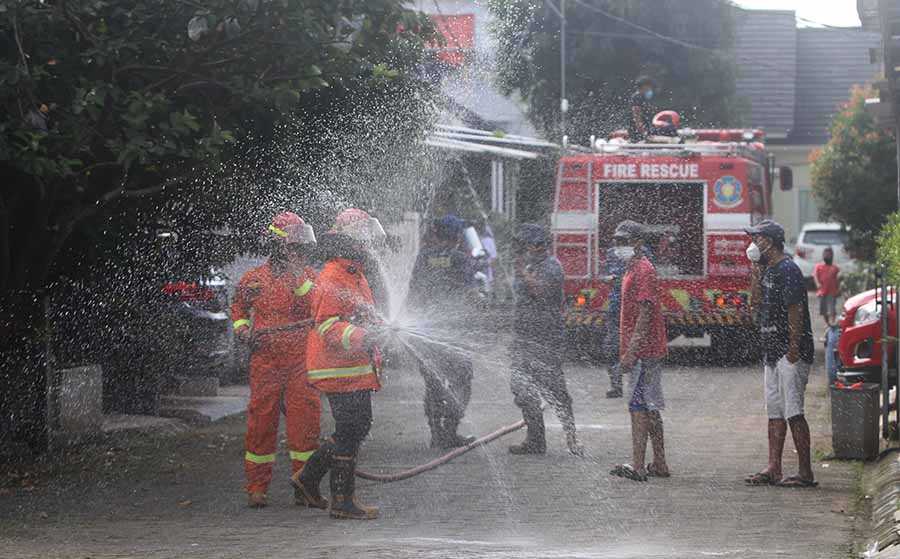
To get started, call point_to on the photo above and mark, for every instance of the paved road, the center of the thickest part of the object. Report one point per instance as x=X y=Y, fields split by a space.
x=134 y=503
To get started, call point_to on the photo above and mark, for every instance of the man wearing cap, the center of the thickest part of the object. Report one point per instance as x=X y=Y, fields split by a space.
x=779 y=297
x=642 y=348
x=271 y=314
x=538 y=342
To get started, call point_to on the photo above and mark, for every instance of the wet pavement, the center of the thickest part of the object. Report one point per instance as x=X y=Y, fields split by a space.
x=181 y=496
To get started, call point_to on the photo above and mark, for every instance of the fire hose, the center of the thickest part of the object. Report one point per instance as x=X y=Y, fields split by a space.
x=455 y=453
x=428 y=466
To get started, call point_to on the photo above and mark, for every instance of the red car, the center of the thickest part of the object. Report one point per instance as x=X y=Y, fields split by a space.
x=859 y=346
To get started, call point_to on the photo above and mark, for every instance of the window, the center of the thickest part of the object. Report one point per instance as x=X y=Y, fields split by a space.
x=824 y=238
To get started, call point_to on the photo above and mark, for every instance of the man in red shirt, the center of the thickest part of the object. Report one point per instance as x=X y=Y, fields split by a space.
x=827 y=278
x=642 y=346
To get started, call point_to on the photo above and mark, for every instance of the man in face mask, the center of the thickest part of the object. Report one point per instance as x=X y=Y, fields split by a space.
x=641 y=108
x=779 y=296
x=642 y=347
x=827 y=278
x=538 y=343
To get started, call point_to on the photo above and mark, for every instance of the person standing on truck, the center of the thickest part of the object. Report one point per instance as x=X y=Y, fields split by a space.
x=643 y=347
x=642 y=110
x=441 y=277
x=538 y=341
x=343 y=361
x=271 y=316
x=779 y=294
x=614 y=269
x=828 y=285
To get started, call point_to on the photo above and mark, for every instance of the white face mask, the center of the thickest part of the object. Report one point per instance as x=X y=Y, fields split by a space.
x=624 y=253
x=753 y=253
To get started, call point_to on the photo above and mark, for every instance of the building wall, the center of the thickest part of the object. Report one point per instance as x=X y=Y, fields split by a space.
x=797 y=206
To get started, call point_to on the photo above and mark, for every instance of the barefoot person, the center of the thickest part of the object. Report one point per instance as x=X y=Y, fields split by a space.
x=779 y=294
x=642 y=349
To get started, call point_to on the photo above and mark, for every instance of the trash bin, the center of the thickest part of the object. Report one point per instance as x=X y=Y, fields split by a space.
x=854 y=421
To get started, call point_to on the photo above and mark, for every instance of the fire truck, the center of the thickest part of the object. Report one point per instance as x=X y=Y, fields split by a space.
x=694 y=193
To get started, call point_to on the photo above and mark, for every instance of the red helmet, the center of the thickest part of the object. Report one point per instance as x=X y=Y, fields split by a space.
x=358 y=225
x=667 y=119
x=290 y=228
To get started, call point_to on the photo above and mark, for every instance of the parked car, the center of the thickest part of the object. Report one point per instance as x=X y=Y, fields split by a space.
x=815 y=238
x=859 y=346
x=200 y=335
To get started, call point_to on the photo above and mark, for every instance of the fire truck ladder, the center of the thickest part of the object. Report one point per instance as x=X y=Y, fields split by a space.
x=575 y=229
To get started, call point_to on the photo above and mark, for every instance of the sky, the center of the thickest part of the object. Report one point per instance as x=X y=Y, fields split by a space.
x=841 y=13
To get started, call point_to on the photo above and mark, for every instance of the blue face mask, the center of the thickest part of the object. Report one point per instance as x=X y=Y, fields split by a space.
x=648 y=94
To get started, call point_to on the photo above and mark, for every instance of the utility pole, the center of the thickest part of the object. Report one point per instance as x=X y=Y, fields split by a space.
x=563 y=102
x=889 y=14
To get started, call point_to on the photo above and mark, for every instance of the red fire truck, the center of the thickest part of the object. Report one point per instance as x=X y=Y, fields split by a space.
x=695 y=197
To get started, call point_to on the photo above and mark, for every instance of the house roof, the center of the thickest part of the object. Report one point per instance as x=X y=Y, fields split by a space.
x=830 y=62
x=794 y=80
x=766 y=52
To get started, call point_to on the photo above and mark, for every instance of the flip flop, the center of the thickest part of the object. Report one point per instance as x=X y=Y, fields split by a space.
x=628 y=472
x=797 y=482
x=653 y=472
x=760 y=478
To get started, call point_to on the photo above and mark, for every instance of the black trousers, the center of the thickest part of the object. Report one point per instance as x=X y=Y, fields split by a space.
x=352 y=412
x=448 y=388
x=536 y=373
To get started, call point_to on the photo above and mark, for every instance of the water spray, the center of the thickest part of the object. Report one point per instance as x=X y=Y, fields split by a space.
x=391 y=332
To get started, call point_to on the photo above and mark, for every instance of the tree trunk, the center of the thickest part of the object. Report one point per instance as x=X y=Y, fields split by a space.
x=23 y=373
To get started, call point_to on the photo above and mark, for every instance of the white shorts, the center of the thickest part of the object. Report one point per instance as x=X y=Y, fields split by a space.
x=785 y=388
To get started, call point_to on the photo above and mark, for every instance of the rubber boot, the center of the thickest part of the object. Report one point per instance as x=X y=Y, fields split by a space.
x=535 y=439
x=307 y=480
x=452 y=439
x=343 y=488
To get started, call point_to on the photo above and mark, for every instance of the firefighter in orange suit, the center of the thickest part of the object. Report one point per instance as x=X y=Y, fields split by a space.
x=343 y=360
x=271 y=314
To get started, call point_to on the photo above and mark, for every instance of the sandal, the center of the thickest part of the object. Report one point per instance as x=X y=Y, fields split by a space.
x=760 y=478
x=653 y=472
x=797 y=482
x=628 y=472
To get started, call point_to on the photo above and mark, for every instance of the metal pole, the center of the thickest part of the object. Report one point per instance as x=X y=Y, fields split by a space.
x=563 y=102
x=885 y=387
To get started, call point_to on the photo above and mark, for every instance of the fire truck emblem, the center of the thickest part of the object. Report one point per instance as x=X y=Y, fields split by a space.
x=728 y=192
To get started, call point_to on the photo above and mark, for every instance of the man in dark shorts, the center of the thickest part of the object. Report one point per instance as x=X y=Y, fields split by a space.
x=643 y=342
x=642 y=109
x=779 y=294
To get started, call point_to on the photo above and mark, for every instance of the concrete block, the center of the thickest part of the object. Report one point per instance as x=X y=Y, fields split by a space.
x=80 y=400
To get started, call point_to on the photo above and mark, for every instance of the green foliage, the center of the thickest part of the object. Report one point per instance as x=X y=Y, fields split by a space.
x=888 y=251
x=113 y=110
x=855 y=175
x=605 y=56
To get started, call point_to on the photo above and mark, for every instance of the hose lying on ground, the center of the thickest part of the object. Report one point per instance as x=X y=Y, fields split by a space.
x=412 y=472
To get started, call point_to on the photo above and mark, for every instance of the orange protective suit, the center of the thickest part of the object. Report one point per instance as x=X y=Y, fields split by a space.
x=277 y=370
x=342 y=306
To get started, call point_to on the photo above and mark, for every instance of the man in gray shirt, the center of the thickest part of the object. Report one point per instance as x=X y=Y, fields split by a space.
x=538 y=343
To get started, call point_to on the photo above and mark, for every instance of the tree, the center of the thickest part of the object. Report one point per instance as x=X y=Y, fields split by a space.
x=855 y=175
x=604 y=56
x=888 y=247
x=119 y=113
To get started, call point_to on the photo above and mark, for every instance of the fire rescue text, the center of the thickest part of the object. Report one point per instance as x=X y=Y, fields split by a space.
x=651 y=170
